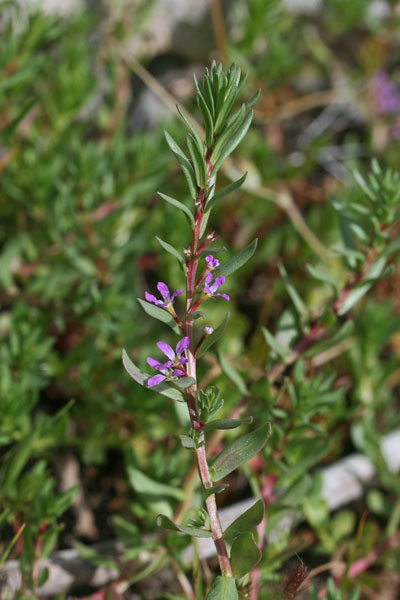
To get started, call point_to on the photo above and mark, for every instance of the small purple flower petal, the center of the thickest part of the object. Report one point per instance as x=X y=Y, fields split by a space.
x=164 y=291
x=218 y=282
x=153 y=299
x=182 y=345
x=211 y=290
x=155 y=380
x=154 y=363
x=177 y=373
x=175 y=294
x=166 y=349
x=212 y=262
x=182 y=361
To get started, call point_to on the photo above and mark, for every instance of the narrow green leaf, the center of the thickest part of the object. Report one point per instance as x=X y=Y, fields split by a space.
x=353 y=297
x=233 y=375
x=281 y=352
x=192 y=129
x=205 y=222
x=164 y=522
x=251 y=101
x=95 y=558
x=226 y=423
x=196 y=315
x=297 y=301
x=184 y=382
x=9 y=130
x=237 y=261
x=187 y=442
x=320 y=274
x=225 y=191
x=159 y=313
x=184 y=164
x=208 y=122
x=215 y=489
x=210 y=340
x=143 y=484
x=239 y=452
x=179 y=205
x=141 y=378
x=11 y=545
x=244 y=555
x=209 y=96
x=197 y=160
x=224 y=588
x=234 y=141
x=171 y=250
x=225 y=109
x=246 y=522
x=227 y=133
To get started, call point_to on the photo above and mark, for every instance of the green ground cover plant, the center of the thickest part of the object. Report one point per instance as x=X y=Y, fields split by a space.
x=307 y=364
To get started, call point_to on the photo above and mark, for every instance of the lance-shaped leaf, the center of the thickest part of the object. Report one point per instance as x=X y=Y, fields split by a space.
x=208 y=121
x=228 y=132
x=281 y=352
x=9 y=130
x=374 y=273
x=237 y=261
x=225 y=108
x=165 y=523
x=215 y=489
x=244 y=555
x=246 y=522
x=184 y=163
x=159 y=313
x=143 y=484
x=171 y=250
x=197 y=160
x=196 y=315
x=233 y=375
x=210 y=340
x=224 y=588
x=297 y=301
x=187 y=442
x=192 y=129
x=184 y=382
x=226 y=423
x=209 y=96
x=320 y=274
x=239 y=452
x=179 y=205
x=234 y=141
x=141 y=378
x=225 y=191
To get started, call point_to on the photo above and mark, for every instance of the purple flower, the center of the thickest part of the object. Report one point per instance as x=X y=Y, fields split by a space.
x=210 y=290
x=385 y=95
x=171 y=369
x=165 y=293
x=212 y=263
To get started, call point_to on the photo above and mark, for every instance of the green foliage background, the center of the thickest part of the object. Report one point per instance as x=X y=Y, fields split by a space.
x=78 y=216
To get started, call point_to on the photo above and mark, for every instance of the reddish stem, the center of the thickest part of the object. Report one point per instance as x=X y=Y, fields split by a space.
x=191 y=392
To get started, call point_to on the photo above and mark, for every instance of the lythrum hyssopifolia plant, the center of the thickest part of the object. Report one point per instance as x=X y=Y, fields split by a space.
x=176 y=369
x=367 y=214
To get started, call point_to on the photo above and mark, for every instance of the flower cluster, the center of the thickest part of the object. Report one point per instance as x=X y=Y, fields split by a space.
x=173 y=367
x=210 y=287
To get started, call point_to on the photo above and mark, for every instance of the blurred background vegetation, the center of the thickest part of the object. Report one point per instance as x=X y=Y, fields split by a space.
x=84 y=98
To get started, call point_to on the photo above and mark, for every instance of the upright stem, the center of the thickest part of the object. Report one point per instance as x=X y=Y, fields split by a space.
x=191 y=397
